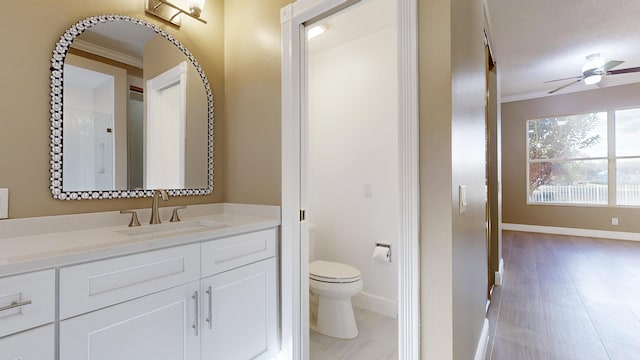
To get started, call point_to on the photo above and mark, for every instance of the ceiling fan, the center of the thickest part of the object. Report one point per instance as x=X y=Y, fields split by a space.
x=593 y=71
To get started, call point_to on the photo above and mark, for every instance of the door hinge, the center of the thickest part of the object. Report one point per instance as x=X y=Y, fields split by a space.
x=303 y=215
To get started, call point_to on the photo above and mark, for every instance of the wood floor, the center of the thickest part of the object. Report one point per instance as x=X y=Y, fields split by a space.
x=566 y=298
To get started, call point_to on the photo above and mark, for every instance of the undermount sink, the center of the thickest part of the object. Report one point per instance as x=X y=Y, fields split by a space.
x=171 y=229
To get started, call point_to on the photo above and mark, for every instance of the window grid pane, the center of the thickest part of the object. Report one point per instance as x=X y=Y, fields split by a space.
x=568 y=137
x=569 y=182
x=627 y=132
x=628 y=181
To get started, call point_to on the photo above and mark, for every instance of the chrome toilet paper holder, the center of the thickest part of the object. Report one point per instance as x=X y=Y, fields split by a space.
x=388 y=246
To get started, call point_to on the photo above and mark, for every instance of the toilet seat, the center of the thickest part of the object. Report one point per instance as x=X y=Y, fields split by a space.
x=332 y=272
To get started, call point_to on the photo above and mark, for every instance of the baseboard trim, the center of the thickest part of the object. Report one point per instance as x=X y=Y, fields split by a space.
x=500 y=273
x=604 y=234
x=375 y=303
x=481 y=349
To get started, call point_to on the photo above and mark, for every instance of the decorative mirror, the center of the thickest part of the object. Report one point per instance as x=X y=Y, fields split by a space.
x=131 y=112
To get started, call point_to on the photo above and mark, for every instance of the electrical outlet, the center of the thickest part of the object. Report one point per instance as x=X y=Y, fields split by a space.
x=4 y=203
x=614 y=221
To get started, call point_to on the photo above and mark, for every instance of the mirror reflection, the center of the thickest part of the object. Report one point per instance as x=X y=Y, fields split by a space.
x=136 y=114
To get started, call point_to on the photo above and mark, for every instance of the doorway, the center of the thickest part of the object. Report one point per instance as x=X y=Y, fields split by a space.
x=493 y=171
x=350 y=186
x=294 y=246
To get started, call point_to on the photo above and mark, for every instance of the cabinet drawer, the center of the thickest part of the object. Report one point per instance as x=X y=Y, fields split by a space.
x=27 y=300
x=234 y=251
x=95 y=285
x=35 y=344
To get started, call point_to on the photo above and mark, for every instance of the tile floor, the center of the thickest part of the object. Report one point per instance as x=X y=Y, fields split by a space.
x=378 y=340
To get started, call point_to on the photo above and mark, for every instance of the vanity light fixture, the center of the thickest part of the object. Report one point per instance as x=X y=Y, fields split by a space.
x=170 y=12
x=315 y=31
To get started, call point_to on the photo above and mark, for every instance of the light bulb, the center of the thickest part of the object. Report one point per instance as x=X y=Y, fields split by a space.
x=315 y=31
x=195 y=7
x=593 y=79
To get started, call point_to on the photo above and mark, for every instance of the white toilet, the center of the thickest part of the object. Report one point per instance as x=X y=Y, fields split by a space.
x=334 y=284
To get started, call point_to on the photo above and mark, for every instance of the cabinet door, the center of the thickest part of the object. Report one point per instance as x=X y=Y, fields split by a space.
x=36 y=344
x=240 y=313
x=163 y=325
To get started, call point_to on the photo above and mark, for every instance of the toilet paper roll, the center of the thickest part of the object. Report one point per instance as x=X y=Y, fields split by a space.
x=382 y=254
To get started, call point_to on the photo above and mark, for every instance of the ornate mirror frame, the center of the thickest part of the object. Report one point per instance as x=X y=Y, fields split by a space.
x=56 y=121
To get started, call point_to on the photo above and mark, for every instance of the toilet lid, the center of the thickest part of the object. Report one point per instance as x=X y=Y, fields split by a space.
x=328 y=271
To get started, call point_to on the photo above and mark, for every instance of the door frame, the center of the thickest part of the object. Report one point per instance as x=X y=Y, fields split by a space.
x=294 y=272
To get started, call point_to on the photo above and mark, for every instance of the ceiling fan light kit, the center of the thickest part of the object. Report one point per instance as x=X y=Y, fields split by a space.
x=594 y=62
x=594 y=70
x=592 y=79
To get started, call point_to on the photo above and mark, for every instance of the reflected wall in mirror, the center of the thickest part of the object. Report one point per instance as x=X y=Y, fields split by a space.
x=135 y=113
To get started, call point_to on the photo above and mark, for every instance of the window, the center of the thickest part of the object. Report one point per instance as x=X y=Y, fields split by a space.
x=567 y=161
x=575 y=160
x=627 y=156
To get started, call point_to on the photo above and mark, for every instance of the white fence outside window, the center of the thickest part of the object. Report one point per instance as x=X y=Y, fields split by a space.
x=626 y=194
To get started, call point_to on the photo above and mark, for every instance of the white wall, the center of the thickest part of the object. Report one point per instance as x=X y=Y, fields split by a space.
x=353 y=197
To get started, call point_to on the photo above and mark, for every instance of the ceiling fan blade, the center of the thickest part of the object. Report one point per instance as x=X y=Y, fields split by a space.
x=564 y=86
x=568 y=78
x=623 y=71
x=611 y=64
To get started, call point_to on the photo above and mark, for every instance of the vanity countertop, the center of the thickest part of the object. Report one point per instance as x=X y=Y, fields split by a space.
x=39 y=243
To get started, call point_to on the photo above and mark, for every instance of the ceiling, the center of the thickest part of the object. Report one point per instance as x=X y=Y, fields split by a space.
x=538 y=40
x=358 y=20
x=121 y=37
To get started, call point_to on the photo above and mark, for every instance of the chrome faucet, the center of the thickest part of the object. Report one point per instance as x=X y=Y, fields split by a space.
x=155 y=218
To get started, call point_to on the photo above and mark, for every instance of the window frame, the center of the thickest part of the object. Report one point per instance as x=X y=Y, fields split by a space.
x=611 y=158
x=614 y=158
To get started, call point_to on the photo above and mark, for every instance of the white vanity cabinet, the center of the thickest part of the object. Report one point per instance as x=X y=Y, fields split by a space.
x=211 y=300
x=27 y=313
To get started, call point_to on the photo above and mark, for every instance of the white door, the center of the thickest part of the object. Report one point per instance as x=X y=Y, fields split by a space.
x=239 y=311
x=21 y=346
x=165 y=128
x=163 y=325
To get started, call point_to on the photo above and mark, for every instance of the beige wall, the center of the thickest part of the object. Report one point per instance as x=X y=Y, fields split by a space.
x=452 y=133
x=253 y=101
x=514 y=118
x=24 y=97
